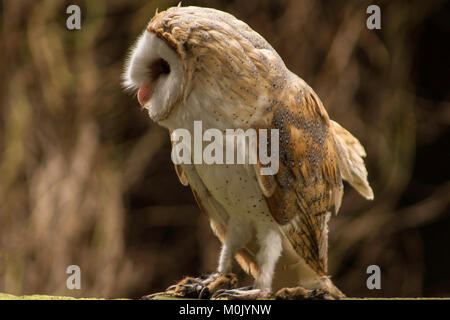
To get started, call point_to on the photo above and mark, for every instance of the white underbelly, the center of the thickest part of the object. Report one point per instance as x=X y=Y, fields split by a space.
x=237 y=191
x=234 y=186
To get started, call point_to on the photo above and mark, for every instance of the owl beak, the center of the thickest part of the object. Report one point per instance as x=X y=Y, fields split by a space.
x=144 y=94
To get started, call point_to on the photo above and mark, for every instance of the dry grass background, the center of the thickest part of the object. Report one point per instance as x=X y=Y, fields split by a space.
x=86 y=178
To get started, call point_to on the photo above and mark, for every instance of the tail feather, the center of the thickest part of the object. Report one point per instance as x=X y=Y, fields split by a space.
x=351 y=163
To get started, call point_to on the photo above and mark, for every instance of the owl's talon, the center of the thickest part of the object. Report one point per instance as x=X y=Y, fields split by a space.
x=171 y=288
x=202 y=287
x=244 y=293
x=204 y=293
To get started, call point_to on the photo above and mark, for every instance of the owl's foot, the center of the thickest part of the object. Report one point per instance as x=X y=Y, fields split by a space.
x=202 y=287
x=245 y=293
x=300 y=293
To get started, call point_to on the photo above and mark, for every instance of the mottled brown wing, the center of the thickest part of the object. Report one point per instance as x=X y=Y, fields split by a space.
x=308 y=185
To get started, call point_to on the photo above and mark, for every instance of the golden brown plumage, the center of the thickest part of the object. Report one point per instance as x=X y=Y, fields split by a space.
x=314 y=157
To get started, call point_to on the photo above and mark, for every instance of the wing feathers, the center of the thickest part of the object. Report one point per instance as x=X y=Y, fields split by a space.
x=308 y=184
x=315 y=155
x=351 y=162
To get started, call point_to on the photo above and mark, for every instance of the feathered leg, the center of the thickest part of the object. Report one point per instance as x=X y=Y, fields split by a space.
x=270 y=250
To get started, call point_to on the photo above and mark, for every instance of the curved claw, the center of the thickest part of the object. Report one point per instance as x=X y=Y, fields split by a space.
x=204 y=293
x=171 y=288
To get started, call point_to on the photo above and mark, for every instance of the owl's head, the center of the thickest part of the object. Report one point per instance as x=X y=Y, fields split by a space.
x=184 y=49
x=157 y=72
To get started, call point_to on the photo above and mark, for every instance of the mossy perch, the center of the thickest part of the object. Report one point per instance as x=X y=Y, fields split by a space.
x=6 y=296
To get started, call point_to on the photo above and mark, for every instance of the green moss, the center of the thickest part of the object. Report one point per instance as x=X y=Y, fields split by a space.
x=5 y=296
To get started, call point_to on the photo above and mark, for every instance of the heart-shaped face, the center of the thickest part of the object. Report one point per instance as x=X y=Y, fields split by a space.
x=156 y=71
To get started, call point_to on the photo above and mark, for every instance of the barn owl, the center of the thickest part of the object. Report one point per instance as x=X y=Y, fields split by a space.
x=200 y=64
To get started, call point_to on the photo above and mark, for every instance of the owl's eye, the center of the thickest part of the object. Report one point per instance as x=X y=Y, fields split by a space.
x=159 y=67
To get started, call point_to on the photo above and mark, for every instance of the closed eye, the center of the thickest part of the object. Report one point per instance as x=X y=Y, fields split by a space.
x=158 y=68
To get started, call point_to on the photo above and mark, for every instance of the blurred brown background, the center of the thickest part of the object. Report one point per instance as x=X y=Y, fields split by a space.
x=86 y=177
